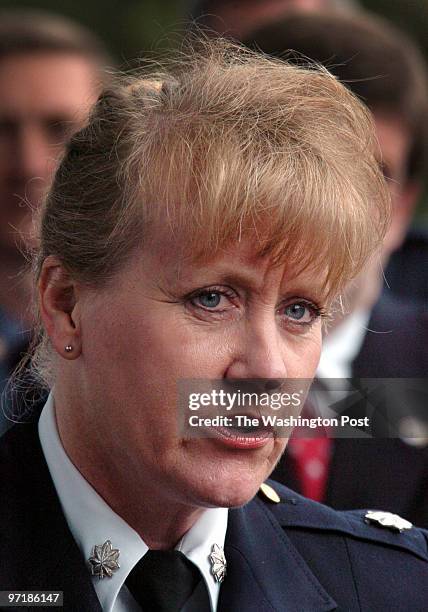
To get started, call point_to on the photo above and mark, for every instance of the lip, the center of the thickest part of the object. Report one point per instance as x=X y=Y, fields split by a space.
x=233 y=439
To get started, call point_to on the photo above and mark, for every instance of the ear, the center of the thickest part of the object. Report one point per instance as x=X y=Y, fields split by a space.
x=59 y=308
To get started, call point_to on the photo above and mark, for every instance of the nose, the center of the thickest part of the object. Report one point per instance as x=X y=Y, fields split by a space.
x=259 y=353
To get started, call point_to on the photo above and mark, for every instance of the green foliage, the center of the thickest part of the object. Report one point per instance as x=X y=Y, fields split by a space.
x=128 y=27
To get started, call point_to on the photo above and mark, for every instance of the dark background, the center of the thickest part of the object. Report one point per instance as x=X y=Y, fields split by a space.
x=135 y=28
x=132 y=27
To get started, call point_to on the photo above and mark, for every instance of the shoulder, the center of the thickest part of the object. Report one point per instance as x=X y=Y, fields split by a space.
x=25 y=485
x=17 y=446
x=382 y=530
x=369 y=563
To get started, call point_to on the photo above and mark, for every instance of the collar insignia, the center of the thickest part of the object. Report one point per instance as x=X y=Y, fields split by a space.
x=104 y=560
x=218 y=563
x=387 y=520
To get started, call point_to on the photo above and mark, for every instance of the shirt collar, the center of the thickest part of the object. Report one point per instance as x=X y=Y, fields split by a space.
x=92 y=521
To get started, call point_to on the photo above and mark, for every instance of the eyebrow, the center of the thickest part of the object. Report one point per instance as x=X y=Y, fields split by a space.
x=242 y=276
x=250 y=279
x=245 y=277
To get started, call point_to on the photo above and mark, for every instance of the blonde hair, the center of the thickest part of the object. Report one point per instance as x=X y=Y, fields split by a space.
x=226 y=143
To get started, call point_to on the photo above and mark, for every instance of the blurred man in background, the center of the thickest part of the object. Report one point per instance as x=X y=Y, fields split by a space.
x=51 y=71
x=238 y=18
x=379 y=336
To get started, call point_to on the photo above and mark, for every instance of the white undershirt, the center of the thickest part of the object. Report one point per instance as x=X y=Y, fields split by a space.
x=92 y=521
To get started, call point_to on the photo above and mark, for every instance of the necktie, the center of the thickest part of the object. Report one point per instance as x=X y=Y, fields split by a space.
x=311 y=451
x=312 y=459
x=163 y=580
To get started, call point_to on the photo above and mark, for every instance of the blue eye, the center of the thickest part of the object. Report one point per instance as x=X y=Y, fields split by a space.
x=213 y=299
x=300 y=312
x=296 y=311
x=210 y=299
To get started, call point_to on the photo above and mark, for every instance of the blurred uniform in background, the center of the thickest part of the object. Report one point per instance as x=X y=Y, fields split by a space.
x=407 y=271
x=51 y=71
x=381 y=335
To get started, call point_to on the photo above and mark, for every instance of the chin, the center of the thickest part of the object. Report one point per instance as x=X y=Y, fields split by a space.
x=229 y=492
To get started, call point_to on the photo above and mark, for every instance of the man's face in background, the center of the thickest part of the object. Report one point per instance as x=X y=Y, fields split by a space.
x=239 y=19
x=395 y=141
x=44 y=98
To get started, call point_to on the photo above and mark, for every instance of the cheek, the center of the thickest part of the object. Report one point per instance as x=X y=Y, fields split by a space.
x=193 y=352
x=302 y=354
x=163 y=344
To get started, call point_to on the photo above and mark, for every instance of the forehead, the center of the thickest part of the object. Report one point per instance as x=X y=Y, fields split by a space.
x=237 y=263
x=46 y=83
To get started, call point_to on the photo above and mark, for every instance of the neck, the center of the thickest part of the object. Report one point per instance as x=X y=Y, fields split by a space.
x=134 y=495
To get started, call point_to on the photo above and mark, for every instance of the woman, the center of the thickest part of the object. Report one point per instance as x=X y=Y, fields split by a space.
x=198 y=228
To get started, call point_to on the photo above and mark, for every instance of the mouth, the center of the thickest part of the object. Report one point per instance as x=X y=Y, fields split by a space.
x=244 y=432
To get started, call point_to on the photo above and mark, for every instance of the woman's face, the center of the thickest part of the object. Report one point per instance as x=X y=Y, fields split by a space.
x=163 y=320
